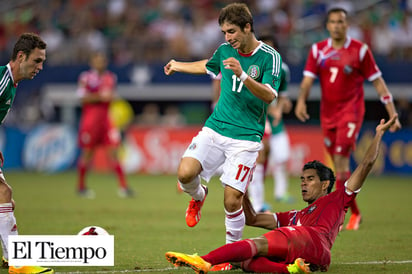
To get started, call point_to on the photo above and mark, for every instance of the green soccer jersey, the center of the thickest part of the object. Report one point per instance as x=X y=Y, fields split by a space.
x=284 y=80
x=7 y=91
x=239 y=114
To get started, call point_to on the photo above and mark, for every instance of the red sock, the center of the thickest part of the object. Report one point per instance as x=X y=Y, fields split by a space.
x=341 y=178
x=81 y=170
x=264 y=265
x=233 y=252
x=120 y=175
x=354 y=207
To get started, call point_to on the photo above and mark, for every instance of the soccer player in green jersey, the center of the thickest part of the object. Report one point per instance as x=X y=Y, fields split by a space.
x=232 y=134
x=276 y=146
x=27 y=60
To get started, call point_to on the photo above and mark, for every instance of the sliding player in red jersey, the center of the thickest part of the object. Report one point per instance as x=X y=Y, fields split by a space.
x=297 y=237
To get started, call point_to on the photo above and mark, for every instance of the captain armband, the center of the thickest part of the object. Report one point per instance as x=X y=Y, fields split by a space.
x=388 y=98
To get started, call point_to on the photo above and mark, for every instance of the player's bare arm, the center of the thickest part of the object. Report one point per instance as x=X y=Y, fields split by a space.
x=387 y=100
x=261 y=91
x=97 y=97
x=107 y=95
x=358 y=177
x=197 y=67
x=283 y=105
x=259 y=219
x=300 y=109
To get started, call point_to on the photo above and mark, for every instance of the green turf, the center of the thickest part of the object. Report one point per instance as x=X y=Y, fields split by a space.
x=152 y=223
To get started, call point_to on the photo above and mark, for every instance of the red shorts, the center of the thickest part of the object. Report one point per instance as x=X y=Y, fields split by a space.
x=342 y=138
x=93 y=133
x=302 y=242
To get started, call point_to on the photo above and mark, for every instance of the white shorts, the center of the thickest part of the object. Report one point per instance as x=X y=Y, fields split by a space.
x=279 y=148
x=212 y=150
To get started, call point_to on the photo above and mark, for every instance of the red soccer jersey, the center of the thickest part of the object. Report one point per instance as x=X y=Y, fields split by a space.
x=95 y=125
x=341 y=73
x=325 y=215
x=91 y=82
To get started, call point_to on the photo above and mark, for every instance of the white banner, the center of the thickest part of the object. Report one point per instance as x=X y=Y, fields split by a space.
x=61 y=250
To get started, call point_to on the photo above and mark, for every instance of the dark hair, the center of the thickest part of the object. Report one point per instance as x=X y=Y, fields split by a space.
x=237 y=14
x=324 y=172
x=271 y=38
x=26 y=43
x=335 y=9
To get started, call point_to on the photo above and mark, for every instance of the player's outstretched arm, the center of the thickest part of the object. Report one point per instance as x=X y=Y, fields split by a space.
x=357 y=178
x=387 y=100
x=257 y=219
x=197 y=67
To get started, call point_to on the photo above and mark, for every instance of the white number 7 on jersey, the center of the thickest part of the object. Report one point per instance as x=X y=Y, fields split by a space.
x=333 y=73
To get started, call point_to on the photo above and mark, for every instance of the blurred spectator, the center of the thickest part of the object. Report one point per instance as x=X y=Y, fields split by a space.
x=402 y=37
x=382 y=38
x=172 y=117
x=55 y=40
x=150 y=115
x=147 y=31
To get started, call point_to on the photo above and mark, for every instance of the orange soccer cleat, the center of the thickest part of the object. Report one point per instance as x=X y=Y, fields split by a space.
x=354 y=222
x=194 y=261
x=193 y=210
x=30 y=269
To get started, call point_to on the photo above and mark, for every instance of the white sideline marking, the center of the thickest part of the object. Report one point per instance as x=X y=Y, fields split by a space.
x=173 y=268
x=123 y=271
x=380 y=262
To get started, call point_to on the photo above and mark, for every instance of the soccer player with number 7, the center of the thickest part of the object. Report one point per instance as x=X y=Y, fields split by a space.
x=342 y=64
x=231 y=135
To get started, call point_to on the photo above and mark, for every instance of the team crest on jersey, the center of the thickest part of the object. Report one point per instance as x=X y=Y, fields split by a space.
x=327 y=142
x=253 y=72
x=312 y=208
x=347 y=69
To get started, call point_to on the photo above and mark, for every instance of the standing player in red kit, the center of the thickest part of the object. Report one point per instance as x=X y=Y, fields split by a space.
x=342 y=64
x=96 y=91
x=297 y=237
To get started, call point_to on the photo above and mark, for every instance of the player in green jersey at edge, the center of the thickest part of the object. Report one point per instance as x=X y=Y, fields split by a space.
x=27 y=60
x=232 y=134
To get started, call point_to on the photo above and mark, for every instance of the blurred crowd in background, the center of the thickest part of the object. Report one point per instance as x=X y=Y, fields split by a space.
x=153 y=31
x=150 y=32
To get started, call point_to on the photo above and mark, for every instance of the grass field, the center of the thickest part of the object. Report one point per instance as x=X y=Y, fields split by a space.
x=147 y=226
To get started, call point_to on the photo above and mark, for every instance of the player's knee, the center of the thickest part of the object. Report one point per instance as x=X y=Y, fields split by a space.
x=185 y=175
x=187 y=172
x=233 y=200
x=262 y=245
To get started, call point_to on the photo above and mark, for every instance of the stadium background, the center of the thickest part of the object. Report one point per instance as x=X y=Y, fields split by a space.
x=141 y=36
